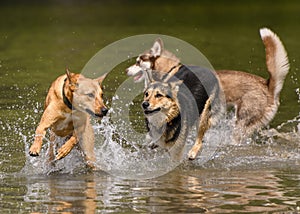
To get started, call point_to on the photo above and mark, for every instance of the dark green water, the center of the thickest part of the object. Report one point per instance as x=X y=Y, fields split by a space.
x=39 y=40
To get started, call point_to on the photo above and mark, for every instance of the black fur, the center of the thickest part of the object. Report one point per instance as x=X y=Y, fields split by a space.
x=198 y=85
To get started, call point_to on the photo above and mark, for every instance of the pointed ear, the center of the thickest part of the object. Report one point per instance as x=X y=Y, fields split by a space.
x=148 y=78
x=101 y=78
x=175 y=85
x=68 y=74
x=157 y=47
x=72 y=79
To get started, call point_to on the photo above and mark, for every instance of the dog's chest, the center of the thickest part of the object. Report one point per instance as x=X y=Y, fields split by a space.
x=64 y=125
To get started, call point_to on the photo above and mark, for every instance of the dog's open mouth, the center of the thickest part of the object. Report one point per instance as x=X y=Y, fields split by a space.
x=138 y=76
x=152 y=111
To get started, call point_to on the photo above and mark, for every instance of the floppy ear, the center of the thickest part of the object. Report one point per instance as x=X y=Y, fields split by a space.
x=72 y=79
x=157 y=47
x=101 y=78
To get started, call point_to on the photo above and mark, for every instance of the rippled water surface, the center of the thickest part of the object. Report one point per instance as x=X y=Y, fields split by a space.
x=39 y=40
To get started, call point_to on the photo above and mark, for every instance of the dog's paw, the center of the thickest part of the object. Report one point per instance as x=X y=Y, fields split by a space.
x=63 y=152
x=34 y=150
x=33 y=154
x=192 y=155
x=91 y=165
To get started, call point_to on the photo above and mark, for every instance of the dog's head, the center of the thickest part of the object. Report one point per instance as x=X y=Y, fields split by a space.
x=157 y=58
x=87 y=94
x=160 y=98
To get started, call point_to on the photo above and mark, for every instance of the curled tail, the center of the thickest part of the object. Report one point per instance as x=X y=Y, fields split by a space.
x=276 y=60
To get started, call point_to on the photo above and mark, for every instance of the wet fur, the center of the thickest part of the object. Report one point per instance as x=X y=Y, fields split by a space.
x=172 y=107
x=254 y=98
x=84 y=97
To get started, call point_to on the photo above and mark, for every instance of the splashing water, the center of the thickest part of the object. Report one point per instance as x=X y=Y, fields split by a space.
x=132 y=160
x=122 y=151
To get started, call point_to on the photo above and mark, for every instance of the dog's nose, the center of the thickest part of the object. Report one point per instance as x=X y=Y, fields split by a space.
x=104 y=111
x=145 y=104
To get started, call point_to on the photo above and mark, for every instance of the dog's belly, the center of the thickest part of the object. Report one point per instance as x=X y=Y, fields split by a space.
x=237 y=84
x=64 y=126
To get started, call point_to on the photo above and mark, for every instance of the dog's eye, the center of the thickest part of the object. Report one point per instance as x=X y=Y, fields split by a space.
x=158 y=95
x=146 y=94
x=91 y=95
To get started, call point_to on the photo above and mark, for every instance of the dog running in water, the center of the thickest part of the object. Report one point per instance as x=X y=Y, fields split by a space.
x=173 y=105
x=254 y=98
x=70 y=102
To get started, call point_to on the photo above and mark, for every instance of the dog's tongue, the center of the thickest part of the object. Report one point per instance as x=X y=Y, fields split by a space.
x=137 y=77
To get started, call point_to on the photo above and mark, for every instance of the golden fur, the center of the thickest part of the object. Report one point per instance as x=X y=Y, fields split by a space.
x=70 y=101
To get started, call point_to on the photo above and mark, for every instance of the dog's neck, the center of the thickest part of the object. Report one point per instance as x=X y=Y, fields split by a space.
x=66 y=100
x=166 y=62
x=173 y=129
x=164 y=130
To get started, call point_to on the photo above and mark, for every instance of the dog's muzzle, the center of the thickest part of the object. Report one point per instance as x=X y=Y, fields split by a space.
x=146 y=105
x=102 y=114
x=135 y=71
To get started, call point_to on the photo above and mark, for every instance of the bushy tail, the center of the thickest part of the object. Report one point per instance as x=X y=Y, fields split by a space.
x=276 y=60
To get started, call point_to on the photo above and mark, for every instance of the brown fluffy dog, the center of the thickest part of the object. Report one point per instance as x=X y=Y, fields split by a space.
x=70 y=101
x=254 y=98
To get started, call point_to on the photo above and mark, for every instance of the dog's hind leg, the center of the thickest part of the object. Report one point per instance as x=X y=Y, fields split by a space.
x=250 y=117
x=204 y=125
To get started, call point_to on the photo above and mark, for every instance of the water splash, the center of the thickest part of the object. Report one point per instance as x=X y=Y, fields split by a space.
x=121 y=151
x=132 y=159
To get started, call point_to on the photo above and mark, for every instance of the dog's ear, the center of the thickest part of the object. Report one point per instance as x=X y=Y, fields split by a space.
x=68 y=73
x=148 y=78
x=101 y=78
x=157 y=47
x=72 y=79
x=175 y=85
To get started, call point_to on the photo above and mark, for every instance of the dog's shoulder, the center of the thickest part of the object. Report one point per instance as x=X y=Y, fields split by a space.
x=195 y=76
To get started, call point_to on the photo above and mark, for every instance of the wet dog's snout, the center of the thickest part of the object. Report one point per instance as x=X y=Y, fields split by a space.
x=145 y=104
x=104 y=111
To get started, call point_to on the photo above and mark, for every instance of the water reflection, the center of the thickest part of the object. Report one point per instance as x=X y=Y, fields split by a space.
x=182 y=191
x=69 y=34
x=61 y=194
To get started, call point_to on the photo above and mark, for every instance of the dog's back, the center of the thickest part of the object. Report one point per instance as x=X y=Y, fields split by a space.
x=199 y=84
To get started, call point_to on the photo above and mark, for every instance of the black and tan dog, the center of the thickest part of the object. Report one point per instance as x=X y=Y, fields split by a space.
x=175 y=103
x=70 y=102
x=254 y=98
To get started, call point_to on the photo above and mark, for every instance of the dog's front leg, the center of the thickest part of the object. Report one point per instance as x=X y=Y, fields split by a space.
x=48 y=118
x=66 y=148
x=204 y=125
x=87 y=141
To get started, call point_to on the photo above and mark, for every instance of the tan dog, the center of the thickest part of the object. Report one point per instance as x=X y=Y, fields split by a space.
x=254 y=98
x=71 y=100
